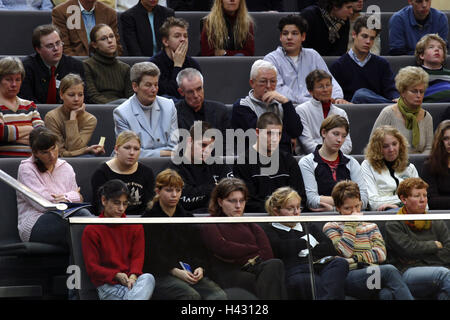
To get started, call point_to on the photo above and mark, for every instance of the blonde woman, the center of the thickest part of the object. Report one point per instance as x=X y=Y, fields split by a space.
x=228 y=30
x=289 y=243
x=125 y=166
x=385 y=166
x=71 y=122
x=407 y=114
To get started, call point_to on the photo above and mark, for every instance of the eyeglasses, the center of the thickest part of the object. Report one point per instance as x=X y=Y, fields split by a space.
x=104 y=38
x=417 y=92
x=321 y=87
x=235 y=201
x=55 y=45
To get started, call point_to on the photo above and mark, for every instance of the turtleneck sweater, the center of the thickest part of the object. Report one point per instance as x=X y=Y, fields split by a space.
x=107 y=79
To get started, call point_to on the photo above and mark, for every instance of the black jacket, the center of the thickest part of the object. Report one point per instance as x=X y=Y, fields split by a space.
x=167 y=82
x=168 y=244
x=37 y=76
x=137 y=32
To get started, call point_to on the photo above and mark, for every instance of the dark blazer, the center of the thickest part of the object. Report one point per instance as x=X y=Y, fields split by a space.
x=75 y=40
x=37 y=76
x=216 y=114
x=137 y=32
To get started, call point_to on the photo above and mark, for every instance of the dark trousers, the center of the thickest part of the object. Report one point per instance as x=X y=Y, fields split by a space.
x=329 y=280
x=265 y=280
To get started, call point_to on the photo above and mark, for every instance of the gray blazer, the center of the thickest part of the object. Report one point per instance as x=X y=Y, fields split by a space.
x=160 y=134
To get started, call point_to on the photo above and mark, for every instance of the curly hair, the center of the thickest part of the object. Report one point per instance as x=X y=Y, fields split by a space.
x=406 y=186
x=343 y=190
x=374 y=154
x=410 y=76
x=216 y=27
x=439 y=156
x=423 y=43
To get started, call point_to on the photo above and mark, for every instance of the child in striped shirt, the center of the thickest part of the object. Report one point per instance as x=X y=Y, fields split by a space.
x=362 y=245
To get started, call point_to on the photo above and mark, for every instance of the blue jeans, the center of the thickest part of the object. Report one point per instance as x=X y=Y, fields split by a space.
x=392 y=286
x=330 y=281
x=364 y=95
x=51 y=228
x=169 y=287
x=141 y=290
x=428 y=282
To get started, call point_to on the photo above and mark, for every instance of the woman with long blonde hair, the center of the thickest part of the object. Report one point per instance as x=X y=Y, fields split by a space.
x=385 y=166
x=228 y=30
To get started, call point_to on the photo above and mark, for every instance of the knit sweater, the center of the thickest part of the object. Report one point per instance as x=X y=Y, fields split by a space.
x=107 y=79
x=408 y=248
x=25 y=113
x=388 y=116
x=376 y=75
x=439 y=188
x=60 y=181
x=235 y=243
x=73 y=135
x=357 y=239
x=110 y=249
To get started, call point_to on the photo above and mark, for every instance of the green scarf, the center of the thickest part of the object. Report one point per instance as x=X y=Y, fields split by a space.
x=411 y=121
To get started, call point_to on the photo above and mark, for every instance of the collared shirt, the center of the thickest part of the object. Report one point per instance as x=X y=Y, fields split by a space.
x=151 y=19
x=88 y=19
x=362 y=63
x=312 y=241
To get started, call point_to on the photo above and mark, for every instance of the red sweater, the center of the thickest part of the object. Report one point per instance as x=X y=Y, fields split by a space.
x=109 y=249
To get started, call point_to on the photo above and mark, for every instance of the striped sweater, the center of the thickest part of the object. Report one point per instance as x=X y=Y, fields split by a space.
x=25 y=114
x=360 y=239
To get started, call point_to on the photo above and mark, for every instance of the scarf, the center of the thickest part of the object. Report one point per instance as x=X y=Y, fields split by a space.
x=411 y=121
x=326 y=108
x=416 y=225
x=333 y=24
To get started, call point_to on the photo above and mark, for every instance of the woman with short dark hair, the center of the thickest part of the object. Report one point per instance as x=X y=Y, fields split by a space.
x=52 y=178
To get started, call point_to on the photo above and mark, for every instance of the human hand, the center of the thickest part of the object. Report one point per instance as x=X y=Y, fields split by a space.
x=122 y=278
x=184 y=275
x=274 y=95
x=198 y=273
x=219 y=52
x=165 y=153
x=24 y=134
x=57 y=198
x=74 y=113
x=179 y=55
x=387 y=206
x=323 y=207
x=131 y=281
x=95 y=149
x=340 y=101
x=438 y=244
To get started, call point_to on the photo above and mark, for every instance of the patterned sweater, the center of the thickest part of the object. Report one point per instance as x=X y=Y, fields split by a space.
x=25 y=114
x=360 y=239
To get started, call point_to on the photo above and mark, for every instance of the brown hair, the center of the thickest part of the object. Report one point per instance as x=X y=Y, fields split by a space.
x=423 y=43
x=166 y=178
x=41 y=31
x=315 y=76
x=406 y=186
x=334 y=121
x=222 y=190
x=11 y=65
x=439 y=156
x=345 y=189
x=171 y=22
x=374 y=149
x=70 y=80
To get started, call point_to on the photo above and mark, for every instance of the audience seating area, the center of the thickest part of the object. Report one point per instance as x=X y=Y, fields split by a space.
x=266 y=31
x=40 y=269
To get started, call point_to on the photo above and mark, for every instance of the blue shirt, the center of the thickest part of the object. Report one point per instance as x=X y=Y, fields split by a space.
x=89 y=20
x=151 y=19
x=405 y=32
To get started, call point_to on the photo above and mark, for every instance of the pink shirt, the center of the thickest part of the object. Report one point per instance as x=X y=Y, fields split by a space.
x=60 y=181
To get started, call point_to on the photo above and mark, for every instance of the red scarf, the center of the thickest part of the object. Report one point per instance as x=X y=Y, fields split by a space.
x=326 y=108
